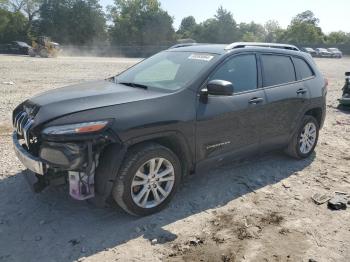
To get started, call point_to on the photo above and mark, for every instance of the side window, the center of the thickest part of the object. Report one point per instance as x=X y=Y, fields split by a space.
x=277 y=70
x=240 y=71
x=302 y=68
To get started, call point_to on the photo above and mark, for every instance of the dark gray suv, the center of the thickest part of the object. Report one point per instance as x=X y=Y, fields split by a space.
x=134 y=136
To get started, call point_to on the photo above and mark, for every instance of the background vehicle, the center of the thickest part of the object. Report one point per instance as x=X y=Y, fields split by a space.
x=44 y=47
x=323 y=52
x=345 y=99
x=311 y=51
x=136 y=135
x=16 y=47
x=336 y=53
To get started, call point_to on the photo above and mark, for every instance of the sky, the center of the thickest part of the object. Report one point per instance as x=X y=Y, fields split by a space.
x=333 y=15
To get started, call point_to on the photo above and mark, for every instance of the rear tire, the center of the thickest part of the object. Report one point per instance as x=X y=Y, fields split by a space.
x=44 y=53
x=304 y=141
x=141 y=188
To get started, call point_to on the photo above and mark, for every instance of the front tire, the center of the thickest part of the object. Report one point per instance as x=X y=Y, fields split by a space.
x=304 y=141
x=31 y=53
x=44 y=53
x=147 y=180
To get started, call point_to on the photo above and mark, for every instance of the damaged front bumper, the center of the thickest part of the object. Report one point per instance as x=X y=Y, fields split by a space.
x=31 y=162
x=58 y=156
x=54 y=160
x=80 y=163
x=36 y=168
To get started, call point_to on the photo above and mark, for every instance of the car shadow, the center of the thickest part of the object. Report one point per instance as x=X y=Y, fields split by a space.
x=53 y=227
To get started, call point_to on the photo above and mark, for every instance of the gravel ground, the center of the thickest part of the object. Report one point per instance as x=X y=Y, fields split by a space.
x=256 y=210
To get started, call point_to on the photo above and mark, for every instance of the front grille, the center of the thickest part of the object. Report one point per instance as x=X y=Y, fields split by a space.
x=22 y=124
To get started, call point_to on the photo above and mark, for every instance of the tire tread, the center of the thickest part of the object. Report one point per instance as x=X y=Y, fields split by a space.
x=292 y=150
x=131 y=158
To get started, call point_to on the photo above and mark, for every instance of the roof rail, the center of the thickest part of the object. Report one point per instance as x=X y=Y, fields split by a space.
x=182 y=45
x=270 y=45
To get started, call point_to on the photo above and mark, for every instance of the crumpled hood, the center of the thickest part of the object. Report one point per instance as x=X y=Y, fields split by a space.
x=71 y=99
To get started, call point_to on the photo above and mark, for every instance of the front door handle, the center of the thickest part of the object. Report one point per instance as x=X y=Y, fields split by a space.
x=256 y=100
x=301 y=91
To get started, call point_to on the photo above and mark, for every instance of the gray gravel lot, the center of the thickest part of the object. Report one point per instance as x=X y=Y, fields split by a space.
x=256 y=210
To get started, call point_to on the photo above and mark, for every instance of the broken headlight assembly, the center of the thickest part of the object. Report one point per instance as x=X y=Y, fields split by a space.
x=78 y=128
x=77 y=158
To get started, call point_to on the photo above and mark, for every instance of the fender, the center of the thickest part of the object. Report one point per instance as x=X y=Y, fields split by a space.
x=312 y=106
x=114 y=154
x=186 y=147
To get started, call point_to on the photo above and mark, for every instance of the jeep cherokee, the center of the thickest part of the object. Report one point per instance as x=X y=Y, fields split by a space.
x=134 y=136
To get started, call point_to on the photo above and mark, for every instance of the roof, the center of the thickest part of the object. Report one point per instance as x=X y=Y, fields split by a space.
x=223 y=48
x=260 y=44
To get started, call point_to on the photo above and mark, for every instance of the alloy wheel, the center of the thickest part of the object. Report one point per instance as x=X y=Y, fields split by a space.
x=307 y=138
x=153 y=182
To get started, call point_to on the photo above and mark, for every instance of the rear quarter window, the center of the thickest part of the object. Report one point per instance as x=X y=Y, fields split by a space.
x=277 y=69
x=302 y=69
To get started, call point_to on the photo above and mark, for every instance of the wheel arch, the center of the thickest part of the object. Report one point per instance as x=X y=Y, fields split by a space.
x=317 y=113
x=113 y=155
x=175 y=141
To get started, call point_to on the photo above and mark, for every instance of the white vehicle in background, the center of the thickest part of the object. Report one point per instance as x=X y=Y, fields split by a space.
x=323 y=52
x=336 y=53
x=311 y=51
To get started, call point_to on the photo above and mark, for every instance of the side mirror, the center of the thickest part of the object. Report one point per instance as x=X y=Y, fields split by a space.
x=347 y=73
x=220 y=88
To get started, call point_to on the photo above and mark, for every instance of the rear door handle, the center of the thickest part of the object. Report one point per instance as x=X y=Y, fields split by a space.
x=301 y=91
x=256 y=100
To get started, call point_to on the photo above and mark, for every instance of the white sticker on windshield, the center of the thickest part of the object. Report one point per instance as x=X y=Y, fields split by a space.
x=201 y=57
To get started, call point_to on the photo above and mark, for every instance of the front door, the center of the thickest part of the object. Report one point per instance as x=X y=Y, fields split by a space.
x=229 y=125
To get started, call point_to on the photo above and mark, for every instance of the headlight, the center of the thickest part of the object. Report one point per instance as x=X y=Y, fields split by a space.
x=80 y=128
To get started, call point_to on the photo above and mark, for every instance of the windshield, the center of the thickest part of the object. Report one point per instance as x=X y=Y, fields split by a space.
x=167 y=70
x=21 y=44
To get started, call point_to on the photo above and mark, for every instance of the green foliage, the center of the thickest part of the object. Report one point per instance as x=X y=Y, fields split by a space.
x=12 y=26
x=226 y=26
x=220 y=29
x=144 y=22
x=4 y=4
x=304 y=29
x=31 y=8
x=307 y=17
x=303 y=33
x=252 y=32
x=338 y=38
x=77 y=22
x=187 y=27
x=140 y=22
x=274 y=33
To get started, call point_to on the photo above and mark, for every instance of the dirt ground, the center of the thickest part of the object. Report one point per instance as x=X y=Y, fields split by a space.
x=256 y=210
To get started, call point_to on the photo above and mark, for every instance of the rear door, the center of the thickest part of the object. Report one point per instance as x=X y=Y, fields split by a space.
x=231 y=124
x=287 y=98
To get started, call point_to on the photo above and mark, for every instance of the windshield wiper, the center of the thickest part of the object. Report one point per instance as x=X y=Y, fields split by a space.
x=133 y=85
x=111 y=79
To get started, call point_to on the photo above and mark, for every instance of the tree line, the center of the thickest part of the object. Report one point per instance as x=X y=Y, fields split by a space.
x=145 y=23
